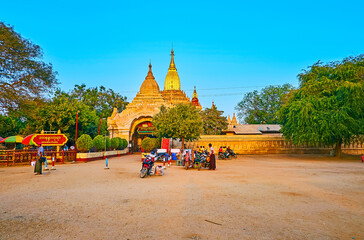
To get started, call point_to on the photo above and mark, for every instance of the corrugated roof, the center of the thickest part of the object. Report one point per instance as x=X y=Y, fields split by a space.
x=254 y=129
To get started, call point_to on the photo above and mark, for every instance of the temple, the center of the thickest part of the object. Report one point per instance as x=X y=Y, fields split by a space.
x=134 y=123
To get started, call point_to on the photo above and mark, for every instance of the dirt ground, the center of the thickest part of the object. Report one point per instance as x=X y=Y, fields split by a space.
x=252 y=197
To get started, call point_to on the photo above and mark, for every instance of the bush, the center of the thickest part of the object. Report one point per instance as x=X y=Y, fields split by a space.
x=115 y=143
x=150 y=144
x=147 y=144
x=123 y=144
x=84 y=143
x=108 y=143
x=99 y=143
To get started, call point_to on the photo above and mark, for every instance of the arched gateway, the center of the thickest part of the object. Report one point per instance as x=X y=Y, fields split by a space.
x=134 y=123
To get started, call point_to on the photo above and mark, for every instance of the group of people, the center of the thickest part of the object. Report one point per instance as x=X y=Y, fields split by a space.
x=211 y=154
x=228 y=152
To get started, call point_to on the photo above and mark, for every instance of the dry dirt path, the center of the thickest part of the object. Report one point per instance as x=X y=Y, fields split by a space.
x=252 y=197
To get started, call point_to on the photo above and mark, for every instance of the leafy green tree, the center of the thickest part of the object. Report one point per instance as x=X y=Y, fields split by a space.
x=102 y=100
x=328 y=107
x=10 y=125
x=84 y=143
x=262 y=107
x=213 y=121
x=24 y=77
x=60 y=113
x=180 y=122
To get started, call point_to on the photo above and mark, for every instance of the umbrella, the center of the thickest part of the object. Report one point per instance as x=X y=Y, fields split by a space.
x=12 y=139
x=1 y=139
x=28 y=140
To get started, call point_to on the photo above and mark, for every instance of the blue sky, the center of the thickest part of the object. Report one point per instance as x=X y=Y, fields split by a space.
x=224 y=48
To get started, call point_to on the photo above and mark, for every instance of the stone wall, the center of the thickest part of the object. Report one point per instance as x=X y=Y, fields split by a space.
x=267 y=144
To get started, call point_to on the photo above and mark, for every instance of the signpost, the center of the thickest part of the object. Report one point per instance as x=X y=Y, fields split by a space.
x=50 y=139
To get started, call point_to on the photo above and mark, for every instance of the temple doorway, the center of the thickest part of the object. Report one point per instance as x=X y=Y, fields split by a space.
x=142 y=130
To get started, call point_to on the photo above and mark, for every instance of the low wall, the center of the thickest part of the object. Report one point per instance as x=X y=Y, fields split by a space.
x=268 y=144
x=84 y=157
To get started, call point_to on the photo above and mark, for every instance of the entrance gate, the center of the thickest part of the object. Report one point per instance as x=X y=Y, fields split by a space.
x=142 y=130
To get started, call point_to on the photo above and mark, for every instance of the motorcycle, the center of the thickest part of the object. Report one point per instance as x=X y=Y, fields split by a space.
x=221 y=156
x=147 y=167
x=203 y=160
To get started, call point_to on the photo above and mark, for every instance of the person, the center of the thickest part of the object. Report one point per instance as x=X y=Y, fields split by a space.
x=212 y=158
x=220 y=149
x=130 y=148
x=40 y=159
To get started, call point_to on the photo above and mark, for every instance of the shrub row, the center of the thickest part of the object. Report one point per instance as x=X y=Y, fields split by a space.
x=85 y=143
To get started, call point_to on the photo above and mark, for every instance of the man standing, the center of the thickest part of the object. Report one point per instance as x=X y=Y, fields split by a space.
x=40 y=159
x=212 y=158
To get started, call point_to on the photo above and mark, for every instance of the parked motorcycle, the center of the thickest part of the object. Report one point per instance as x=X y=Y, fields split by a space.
x=203 y=160
x=221 y=156
x=147 y=167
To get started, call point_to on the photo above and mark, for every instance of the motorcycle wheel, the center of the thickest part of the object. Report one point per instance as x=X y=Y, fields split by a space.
x=187 y=164
x=143 y=172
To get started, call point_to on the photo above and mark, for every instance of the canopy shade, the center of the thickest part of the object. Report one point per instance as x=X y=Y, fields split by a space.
x=12 y=139
x=28 y=140
x=1 y=139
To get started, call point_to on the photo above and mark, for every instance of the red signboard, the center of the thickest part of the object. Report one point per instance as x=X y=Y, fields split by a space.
x=50 y=139
x=165 y=144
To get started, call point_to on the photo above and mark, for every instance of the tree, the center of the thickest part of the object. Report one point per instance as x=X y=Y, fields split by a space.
x=10 y=125
x=84 y=143
x=24 y=77
x=262 y=107
x=180 y=122
x=60 y=113
x=213 y=121
x=102 y=100
x=328 y=107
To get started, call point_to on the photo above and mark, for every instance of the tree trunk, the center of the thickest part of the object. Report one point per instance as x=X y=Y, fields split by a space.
x=338 y=149
x=183 y=144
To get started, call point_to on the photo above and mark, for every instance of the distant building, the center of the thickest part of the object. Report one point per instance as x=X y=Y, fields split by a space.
x=234 y=128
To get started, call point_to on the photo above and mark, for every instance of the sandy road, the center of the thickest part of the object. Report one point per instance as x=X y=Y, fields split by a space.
x=252 y=197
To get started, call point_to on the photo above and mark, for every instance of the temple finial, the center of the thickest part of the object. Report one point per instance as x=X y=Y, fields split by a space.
x=172 y=66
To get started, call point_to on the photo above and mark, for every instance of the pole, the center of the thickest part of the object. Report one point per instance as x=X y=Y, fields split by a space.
x=76 y=129
x=98 y=133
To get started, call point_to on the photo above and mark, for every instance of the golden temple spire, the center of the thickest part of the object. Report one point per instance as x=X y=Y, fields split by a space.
x=172 y=81
x=172 y=66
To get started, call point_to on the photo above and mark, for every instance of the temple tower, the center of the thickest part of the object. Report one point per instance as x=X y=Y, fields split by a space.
x=172 y=81
x=172 y=86
x=194 y=100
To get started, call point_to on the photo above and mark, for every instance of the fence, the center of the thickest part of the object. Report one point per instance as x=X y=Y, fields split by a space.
x=18 y=157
